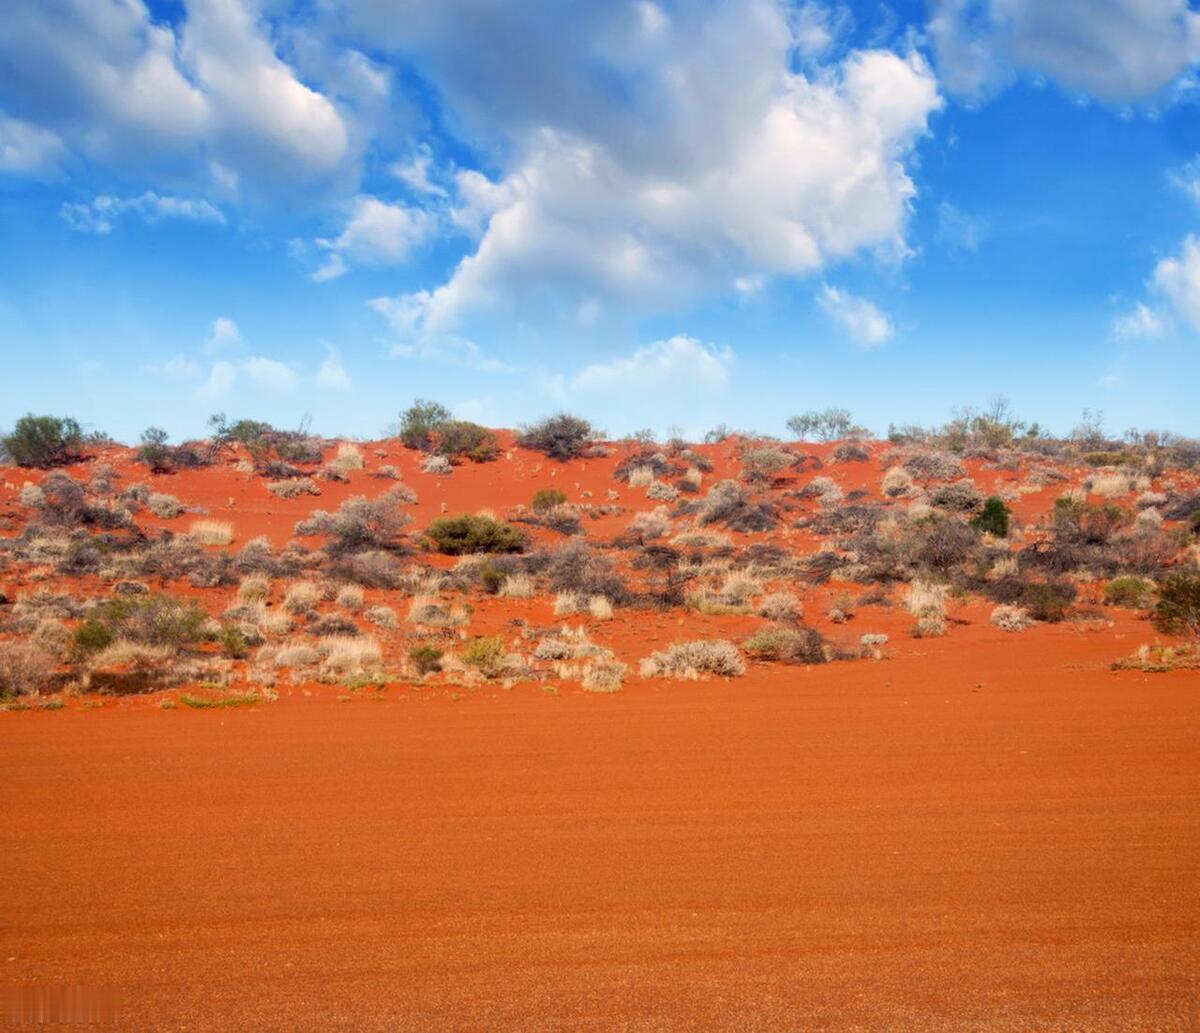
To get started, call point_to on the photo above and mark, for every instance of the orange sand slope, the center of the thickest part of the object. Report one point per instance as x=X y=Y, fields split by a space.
x=1008 y=842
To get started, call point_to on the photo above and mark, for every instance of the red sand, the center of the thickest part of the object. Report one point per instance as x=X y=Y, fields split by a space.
x=1010 y=844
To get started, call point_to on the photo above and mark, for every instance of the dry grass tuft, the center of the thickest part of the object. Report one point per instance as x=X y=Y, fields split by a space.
x=211 y=532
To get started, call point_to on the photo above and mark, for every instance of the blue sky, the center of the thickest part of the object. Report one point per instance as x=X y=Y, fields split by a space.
x=654 y=214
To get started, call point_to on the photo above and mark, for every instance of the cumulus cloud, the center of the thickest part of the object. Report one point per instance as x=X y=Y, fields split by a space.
x=221 y=378
x=1178 y=279
x=677 y=361
x=118 y=87
x=103 y=212
x=690 y=182
x=376 y=233
x=331 y=374
x=269 y=373
x=27 y=149
x=222 y=335
x=860 y=318
x=1141 y=322
x=1115 y=50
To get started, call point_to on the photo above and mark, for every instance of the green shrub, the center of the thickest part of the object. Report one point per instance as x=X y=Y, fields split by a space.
x=788 y=645
x=1194 y=523
x=426 y=658
x=547 y=498
x=561 y=436
x=233 y=642
x=994 y=518
x=44 y=441
x=1178 y=609
x=152 y=620
x=1047 y=600
x=490 y=578
x=1134 y=592
x=153 y=450
x=485 y=654
x=460 y=439
x=94 y=635
x=419 y=421
x=466 y=534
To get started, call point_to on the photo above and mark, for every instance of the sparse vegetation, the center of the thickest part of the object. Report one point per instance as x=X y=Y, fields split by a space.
x=44 y=441
x=559 y=437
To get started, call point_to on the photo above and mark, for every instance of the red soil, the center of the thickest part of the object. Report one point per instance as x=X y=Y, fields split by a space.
x=984 y=832
x=1005 y=841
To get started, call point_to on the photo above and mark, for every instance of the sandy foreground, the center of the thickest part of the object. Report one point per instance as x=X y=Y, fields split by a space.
x=1006 y=841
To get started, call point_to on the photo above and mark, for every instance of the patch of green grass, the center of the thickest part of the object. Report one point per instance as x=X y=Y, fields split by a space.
x=199 y=703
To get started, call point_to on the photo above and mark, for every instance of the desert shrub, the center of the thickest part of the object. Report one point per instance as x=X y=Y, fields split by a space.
x=349 y=457
x=801 y=645
x=600 y=608
x=826 y=425
x=547 y=498
x=661 y=491
x=850 y=452
x=1076 y=521
x=350 y=597
x=293 y=487
x=1178 y=609
x=26 y=669
x=349 y=656
x=334 y=625
x=761 y=464
x=485 y=654
x=1130 y=591
x=154 y=451
x=44 y=441
x=437 y=465
x=470 y=533
x=823 y=489
x=461 y=439
x=211 y=532
x=926 y=601
x=419 y=422
x=165 y=507
x=301 y=597
x=233 y=642
x=1048 y=600
x=381 y=616
x=691 y=659
x=151 y=620
x=490 y=578
x=727 y=503
x=426 y=659
x=359 y=524
x=994 y=518
x=647 y=526
x=561 y=436
x=296 y=655
x=517 y=586
x=780 y=606
x=387 y=472
x=941 y=543
x=934 y=466
x=1010 y=618
x=603 y=675
x=575 y=568
x=960 y=496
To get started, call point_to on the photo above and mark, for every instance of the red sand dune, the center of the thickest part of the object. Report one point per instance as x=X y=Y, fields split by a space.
x=984 y=832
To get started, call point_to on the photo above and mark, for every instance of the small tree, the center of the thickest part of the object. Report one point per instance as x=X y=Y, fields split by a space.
x=419 y=422
x=44 y=441
x=561 y=436
x=826 y=425
x=1178 y=609
x=153 y=450
x=994 y=518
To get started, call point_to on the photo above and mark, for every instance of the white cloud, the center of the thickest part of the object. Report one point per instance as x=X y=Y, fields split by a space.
x=121 y=88
x=1187 y=179
x=692 y=181
x=1178 y=279
x=1141 y=322
x=675 y=362
x=269 y=373
x=958 y=231
x=180 y=368
x=377 y=233
x=27 y=149
x=221 y=379
x=860 y=318
x=414 y=172
x=332 y=375
x=1114 y=50
x=103 y=212
x=223 y=334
